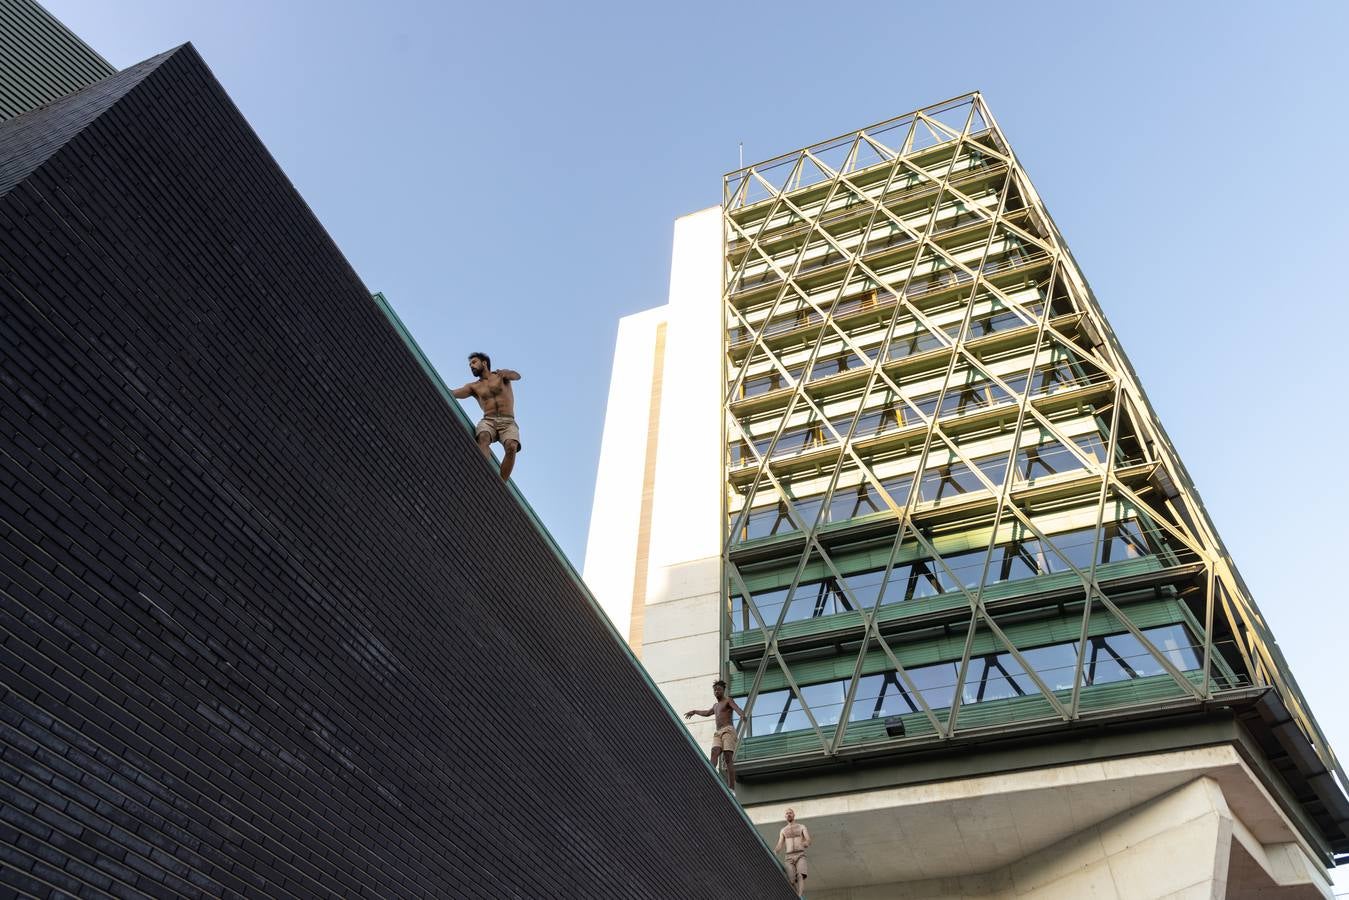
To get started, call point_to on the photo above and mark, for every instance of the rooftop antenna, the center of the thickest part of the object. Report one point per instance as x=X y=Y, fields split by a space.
x=742 y=154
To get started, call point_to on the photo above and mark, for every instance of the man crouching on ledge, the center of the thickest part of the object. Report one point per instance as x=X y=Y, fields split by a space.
x=495 y=395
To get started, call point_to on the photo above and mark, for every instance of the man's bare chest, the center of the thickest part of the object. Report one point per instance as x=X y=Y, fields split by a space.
x=493 y=387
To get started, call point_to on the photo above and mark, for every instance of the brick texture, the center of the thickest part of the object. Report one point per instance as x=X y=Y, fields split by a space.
x=269 y=626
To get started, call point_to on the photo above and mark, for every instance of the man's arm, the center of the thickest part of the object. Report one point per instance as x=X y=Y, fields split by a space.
x=462 y=393
x=805 y=836
x=697 y=712
x=736 y=706
x=782 y=839
x=509 y=374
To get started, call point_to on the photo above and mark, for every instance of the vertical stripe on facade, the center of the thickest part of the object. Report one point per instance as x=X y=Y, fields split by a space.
x=638 y=621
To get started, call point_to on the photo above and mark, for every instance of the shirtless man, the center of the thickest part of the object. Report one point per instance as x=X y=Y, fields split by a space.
x=795 y=838
x=724 y=739
x=495 y=395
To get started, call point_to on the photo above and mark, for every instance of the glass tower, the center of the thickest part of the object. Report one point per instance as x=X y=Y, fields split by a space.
x=949 y=508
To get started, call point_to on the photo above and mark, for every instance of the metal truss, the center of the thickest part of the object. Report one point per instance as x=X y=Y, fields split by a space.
x=861 y=249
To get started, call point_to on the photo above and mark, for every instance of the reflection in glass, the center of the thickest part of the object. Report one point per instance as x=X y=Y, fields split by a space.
x=1015 y=560
x=992 y=676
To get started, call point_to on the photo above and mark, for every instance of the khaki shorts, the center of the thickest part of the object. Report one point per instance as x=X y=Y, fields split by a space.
x=500 y=428
x=796 y=866
x=724 y=739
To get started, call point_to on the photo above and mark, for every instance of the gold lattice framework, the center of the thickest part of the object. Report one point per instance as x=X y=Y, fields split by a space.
x=830 y=199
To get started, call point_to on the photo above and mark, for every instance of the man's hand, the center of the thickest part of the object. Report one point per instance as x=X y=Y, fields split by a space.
x=697 y=712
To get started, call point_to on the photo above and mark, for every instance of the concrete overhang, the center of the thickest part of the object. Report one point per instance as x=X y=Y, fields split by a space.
x=987 y=825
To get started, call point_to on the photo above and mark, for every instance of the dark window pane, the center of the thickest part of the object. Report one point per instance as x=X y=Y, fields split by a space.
x=850 y=502
x=1176 y=643
x=996 y=677
x=769 y=604
x=817 y=598
x=1020 y=559
x=868 y=425
x=898 y=487
x=1076 y=546
x=1046 y=459
x=1123 y=540
x=923 y=580
x=1054 y=665
x=948 y=480
x=770 y=712
x=937 y=683
x=808 y=508
x=825 y=702
x=1113 y=658
x=994 y=467
x=826 y=367
x=881 y=695
x=967 y=567
x=768 y=520
x=866 y=586
x=762 y=384
x=1092 y=445
x=741 y=617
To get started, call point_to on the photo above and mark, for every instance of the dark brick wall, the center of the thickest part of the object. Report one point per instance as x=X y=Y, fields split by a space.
x=268 y=624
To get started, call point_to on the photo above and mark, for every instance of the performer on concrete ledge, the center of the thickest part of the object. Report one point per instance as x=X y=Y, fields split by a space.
x=723 y=741
x=495 y=395
x=795 y=838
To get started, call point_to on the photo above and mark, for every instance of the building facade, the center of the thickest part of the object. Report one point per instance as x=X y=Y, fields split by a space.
x=41 y=59
x=956 y=574
x=250 y=643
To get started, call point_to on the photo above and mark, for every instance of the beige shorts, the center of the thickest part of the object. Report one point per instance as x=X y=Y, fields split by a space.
x=724 y=739
x=796 y=866
x=500 y=428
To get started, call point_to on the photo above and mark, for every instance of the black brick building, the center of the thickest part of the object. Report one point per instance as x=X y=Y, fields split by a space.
x=249 y=642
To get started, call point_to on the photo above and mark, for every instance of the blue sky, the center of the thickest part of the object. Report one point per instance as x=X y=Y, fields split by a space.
x=508 y=175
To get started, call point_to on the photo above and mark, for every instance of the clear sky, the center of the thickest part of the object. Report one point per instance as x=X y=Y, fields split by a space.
x=508 y=174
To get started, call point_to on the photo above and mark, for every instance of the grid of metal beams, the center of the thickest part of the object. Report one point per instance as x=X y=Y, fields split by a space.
x=915 y=362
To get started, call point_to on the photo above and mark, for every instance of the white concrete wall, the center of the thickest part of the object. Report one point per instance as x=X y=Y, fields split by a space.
x=611 y=546
x=681 y=632
x=687 y=503
x=684 y=551
x=681 y=638
x=681 y=646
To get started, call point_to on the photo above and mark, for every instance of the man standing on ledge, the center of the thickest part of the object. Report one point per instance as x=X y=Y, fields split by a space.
x=795 y=839
x=496 y=397
x=724 y=740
